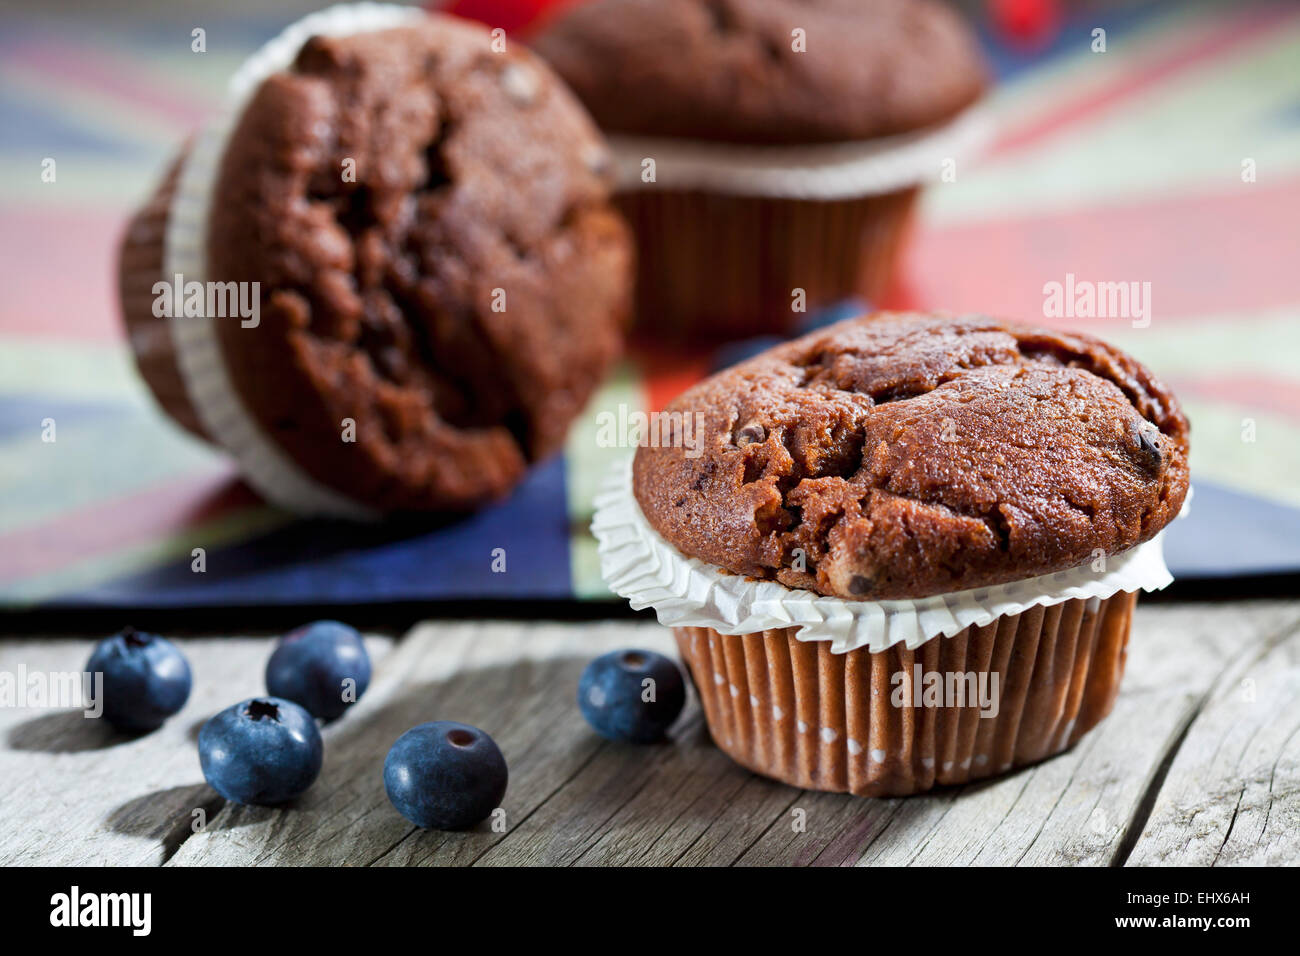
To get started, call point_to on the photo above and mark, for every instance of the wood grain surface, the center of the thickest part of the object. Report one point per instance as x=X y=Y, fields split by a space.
x=1198 y=764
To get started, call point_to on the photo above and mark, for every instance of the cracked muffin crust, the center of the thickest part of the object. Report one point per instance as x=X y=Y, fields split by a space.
x=726 y=70
x=899 y=456
x=459 y=300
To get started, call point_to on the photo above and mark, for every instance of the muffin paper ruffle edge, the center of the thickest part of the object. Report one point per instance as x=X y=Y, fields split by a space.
x=822 y=171
x=641 y=566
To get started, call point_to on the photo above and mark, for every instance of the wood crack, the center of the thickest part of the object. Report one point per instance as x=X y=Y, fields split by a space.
x=543 y=802
x=1142 y=813
x=175 y=838
x=1231 y=823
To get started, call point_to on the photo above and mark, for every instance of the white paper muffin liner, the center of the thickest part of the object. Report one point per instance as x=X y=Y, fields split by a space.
x=815 y=171
x=641 y=566
x=265 y=466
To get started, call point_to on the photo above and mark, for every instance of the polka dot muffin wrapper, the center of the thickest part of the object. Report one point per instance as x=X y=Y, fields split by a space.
x=862 y=722
x=215 y=402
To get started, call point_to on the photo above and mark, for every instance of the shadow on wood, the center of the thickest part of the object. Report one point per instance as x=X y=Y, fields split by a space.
x=167 y=816
x=66 y=731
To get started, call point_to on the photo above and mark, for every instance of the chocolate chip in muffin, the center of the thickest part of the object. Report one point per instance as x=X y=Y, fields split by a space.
x=909 y=455
x=1148 y=446
x=860 y=585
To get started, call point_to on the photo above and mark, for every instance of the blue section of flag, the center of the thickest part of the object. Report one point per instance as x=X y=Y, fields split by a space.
x=1230 y=534
x=46 y=130
x=1008 y=61
x=23 y=414
x=325 y=562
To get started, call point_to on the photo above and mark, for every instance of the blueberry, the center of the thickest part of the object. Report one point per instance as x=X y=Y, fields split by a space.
x=444 y=775
x=631 y=695
x=323 y=666
x=831 y=313
x=263 y=751
x=146 y=679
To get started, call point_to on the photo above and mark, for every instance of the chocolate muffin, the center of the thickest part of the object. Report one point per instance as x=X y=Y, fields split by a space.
x=439 y=265
x=788 y=139
x=727 y=70
x=909 y=455
x=903 y=551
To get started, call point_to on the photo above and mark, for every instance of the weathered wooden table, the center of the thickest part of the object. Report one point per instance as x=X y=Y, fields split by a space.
x=1198 y=764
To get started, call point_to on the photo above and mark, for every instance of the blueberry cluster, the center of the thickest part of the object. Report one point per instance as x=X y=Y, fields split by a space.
x=268 y=750
x=264 y=750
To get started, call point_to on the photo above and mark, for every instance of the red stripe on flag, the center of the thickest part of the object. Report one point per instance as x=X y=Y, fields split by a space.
x=151 y=514
x=61 y=273
x=665 y=374
x=1247 y=25
x=1231 y=252
x=1262 y=392
x=522 y=17
x=118 y=75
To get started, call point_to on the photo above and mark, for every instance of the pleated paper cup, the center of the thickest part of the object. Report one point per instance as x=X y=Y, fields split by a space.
x=884 y=698
x=726 y=233
x=140 y=268
x=719 y=267
x=1013 y=692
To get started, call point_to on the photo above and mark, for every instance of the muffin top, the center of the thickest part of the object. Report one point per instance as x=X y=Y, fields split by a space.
x=900 y=456
x=729 y=70
x=438 y=261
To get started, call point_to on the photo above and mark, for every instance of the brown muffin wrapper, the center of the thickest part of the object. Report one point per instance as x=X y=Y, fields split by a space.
x=716 y=266
x=140 y=265
x=1059 y=671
